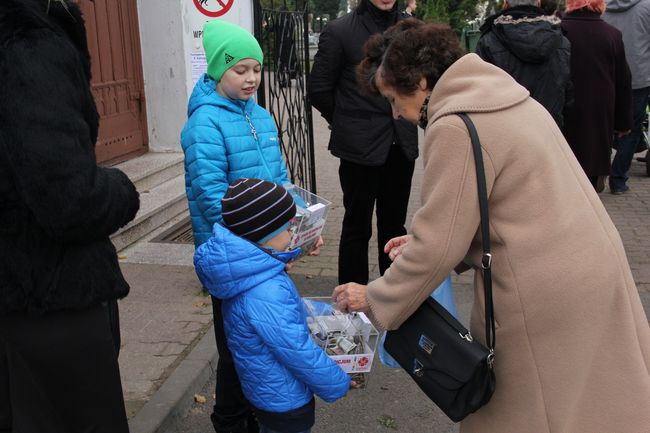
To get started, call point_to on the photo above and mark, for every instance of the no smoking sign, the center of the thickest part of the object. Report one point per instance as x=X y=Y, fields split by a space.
x=213 y=8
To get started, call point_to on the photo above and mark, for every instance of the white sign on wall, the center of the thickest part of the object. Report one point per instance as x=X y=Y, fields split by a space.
x=196 y=14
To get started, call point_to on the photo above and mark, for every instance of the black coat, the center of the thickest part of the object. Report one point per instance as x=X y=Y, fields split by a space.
x=57 y=208
x=531 y=48
x=363 y=129
x=602 y=87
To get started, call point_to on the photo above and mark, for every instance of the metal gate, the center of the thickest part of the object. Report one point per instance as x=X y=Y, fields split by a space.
x=117 y=83
x=284 y=36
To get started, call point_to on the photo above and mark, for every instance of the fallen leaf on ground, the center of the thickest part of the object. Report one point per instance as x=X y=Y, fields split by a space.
x=200 y=304
x=310 y=276
x=387 y=421
x=121 y=257
x=199 y=398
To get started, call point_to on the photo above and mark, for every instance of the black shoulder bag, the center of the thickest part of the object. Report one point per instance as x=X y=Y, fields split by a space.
x=436 y=350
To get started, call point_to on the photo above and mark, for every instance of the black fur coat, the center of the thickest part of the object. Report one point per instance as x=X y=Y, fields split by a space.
x=57 y=207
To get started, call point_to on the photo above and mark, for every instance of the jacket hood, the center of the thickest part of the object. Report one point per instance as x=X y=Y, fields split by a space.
x=229 y=265
x=527 y=33
x=205 y=93
x=472 y=85
x=620 y=5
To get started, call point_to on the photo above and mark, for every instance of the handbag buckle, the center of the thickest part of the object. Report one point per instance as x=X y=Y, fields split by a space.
x=490 y=359
x=467 y=336
x=486 y=261
x=418 y=368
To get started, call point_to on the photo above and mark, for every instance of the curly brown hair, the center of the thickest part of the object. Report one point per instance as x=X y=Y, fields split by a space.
x=406 y=52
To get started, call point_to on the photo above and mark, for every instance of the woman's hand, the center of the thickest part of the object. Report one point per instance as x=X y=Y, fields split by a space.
x=315 y=250
x=354 y=385
x=288 y=267
x=351 y=297
x=395 y=246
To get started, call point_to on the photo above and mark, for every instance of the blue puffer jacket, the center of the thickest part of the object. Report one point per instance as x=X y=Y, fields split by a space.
x=221 y=146
x=279 y=366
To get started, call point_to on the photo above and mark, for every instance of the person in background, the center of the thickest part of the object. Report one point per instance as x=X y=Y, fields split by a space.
x=572 y=339
x=551 y=8
x=529 y=45
x=377 y=154
x=411 y=6
x=227 y=136
x=59 y=274
x=602 y=105
x=285 y=47
x=243 y=265
x=632 y=18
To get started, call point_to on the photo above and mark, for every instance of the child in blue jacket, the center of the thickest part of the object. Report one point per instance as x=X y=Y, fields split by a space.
x=227 y=136
x=243 y=264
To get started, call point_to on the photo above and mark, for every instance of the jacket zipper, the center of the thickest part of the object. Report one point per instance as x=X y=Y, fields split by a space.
x=253 y=131
x=259 y=147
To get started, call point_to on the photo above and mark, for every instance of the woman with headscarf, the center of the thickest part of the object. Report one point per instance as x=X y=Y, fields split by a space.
x=572 y=339
x=602 y=86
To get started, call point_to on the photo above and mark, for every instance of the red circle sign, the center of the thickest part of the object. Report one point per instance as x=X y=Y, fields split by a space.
x=219 y=7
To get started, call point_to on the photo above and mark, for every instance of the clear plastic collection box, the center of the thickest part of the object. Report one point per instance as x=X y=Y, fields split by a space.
x=311 y=214
x=350 y=339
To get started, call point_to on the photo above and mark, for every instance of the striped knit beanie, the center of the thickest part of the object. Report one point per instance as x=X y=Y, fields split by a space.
x=256 y=209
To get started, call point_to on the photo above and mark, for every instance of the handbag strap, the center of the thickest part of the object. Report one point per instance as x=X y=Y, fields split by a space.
x=486 y=260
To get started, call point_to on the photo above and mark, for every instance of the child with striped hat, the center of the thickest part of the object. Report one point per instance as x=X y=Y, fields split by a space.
x=243 y=264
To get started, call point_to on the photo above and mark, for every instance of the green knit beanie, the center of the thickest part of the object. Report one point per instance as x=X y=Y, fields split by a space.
x=226 y=44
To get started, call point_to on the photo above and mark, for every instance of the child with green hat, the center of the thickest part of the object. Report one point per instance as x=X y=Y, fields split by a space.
x=227 y=136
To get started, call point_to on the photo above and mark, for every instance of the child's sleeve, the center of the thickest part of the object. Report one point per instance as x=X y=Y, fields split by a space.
x=283 y=172
x=206 y=164
x=278 y=319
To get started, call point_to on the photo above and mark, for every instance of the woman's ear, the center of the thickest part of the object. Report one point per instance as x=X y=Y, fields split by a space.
x=423 y=84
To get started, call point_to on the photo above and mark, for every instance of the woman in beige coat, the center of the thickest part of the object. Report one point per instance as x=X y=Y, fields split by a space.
x=573 y=342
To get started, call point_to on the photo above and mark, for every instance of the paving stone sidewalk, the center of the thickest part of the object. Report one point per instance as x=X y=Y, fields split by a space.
x=166 y=314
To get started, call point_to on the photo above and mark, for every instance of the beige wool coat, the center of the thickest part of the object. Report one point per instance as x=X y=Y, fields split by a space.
x=572 y=339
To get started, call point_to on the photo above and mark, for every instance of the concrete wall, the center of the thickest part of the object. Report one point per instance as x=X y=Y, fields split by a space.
x=168 y=33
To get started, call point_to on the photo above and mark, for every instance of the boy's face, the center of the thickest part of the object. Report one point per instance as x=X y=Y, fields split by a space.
x=280 y=242
x=241 y=81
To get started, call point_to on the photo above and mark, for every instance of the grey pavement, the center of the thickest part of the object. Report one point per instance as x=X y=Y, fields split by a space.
x=390 y=402
x=168 y=351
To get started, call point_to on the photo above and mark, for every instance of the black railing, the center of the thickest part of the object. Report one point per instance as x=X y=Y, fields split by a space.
x=284 y=36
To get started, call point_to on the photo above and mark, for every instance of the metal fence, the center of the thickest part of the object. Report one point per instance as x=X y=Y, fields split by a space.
x=283 y=33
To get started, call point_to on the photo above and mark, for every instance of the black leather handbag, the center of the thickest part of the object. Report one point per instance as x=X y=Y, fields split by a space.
x=436 y=350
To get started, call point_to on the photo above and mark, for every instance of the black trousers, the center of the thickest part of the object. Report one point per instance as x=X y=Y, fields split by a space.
x=232 y=412
x=59 y=374
x=389 y=187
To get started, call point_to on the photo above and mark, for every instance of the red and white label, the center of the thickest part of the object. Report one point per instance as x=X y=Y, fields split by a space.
x=354 y=363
